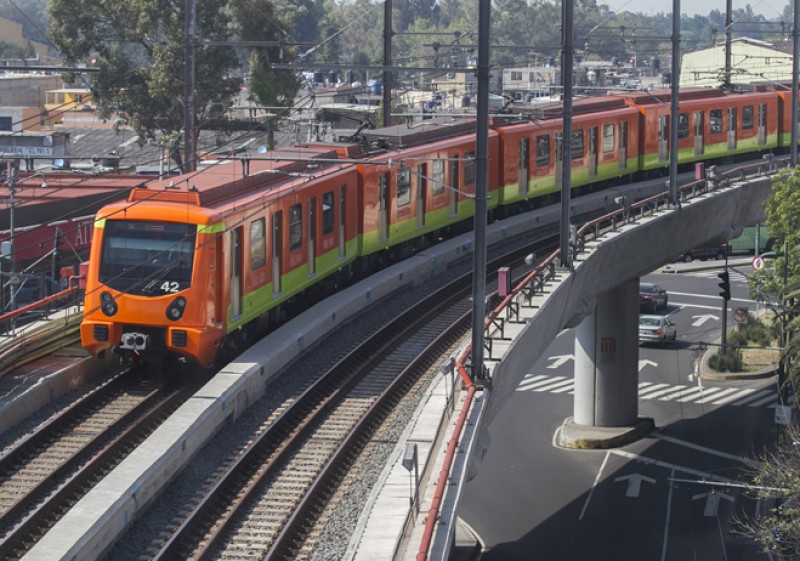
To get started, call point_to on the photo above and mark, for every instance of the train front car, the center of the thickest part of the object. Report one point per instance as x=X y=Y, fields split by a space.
x=152 y=283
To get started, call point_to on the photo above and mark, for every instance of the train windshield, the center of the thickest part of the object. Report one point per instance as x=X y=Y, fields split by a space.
x=147 y=258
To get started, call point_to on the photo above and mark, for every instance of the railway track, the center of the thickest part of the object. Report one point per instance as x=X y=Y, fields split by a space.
x=47 y=472
x=272 y=501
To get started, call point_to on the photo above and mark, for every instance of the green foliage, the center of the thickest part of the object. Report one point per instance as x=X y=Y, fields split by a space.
x=754 y=332
x=9 y=51
x=775 y=477
x=727 y=360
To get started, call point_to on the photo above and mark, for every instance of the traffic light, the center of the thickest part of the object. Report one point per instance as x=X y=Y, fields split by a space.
x=724 y=285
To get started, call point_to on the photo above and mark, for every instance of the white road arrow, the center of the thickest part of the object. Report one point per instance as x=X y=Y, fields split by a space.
x=558 y=360
x=645 y=362
x=700 y=320
x=712 y=501
x=634 y=483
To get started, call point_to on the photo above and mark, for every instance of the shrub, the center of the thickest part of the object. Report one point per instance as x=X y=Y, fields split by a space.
x=727 y=360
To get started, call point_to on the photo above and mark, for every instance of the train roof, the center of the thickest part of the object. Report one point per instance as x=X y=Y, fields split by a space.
x=231 y=178
x=429 y=130
x=43 y=197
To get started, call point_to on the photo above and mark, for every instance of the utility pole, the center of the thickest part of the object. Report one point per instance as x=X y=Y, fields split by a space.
x=795 y=71
x=11 y=177
x=567 y=9
x=190 y=150
x=675 y=93
x=386 y=87
x=728 y=32
x=481 y=190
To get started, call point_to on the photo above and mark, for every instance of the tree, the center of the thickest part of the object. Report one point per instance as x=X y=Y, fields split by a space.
x=139 y=47
x=776 y=474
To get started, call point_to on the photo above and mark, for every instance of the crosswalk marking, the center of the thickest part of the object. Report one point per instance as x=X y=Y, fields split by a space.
x=735 y=396
x=755 y=396
x=679 y=393
x=670 y=389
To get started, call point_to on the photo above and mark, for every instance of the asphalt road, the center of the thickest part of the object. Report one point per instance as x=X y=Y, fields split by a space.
x=674 y=495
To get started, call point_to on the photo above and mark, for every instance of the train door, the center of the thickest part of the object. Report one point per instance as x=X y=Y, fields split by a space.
x=524 y=166
x=217 y=269
x=422 y=192
x=592 y=151
x=277 y=244
x=383 y=206
x=559 y=158
x=731 y=128
x=454 y=184
x=762 y=124
x=312 y=236
x=342 y=222
x=623 y=145
x=663 y=138
x=236 y=272
x=698 y=133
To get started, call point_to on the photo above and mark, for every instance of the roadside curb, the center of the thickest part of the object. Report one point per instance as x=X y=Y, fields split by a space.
x=706 y=373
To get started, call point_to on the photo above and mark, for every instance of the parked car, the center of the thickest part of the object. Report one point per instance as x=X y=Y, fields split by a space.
x=657 y=329
x=652 y=297
x=717 y=252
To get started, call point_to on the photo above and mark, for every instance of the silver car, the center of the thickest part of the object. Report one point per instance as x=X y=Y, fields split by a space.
x=657 y=329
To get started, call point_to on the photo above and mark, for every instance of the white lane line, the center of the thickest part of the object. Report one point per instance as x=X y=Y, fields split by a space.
x=667 y=465
x=708 y=296
x=591 y=491
x=666 y=518
x=693 y=446
x=734 y=397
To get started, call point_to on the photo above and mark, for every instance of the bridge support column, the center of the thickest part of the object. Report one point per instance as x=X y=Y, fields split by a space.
x=606 y=405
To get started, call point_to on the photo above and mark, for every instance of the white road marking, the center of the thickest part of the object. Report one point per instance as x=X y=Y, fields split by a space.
x=734 y=397
x=594 y=486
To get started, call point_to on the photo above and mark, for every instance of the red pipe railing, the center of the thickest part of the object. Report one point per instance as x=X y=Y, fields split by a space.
x=43 y=302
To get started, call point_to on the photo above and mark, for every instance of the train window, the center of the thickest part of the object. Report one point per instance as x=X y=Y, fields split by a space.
x=469 y=168
x=438 y=177
x=748 y=117
x=258 y=244
x=403 y=187
x=147 y=258
x=327 y=212
x=542 y=151
x=715 y=121
x=295 y=226
x=683 y=125
x=576 y=150
x=608 y=138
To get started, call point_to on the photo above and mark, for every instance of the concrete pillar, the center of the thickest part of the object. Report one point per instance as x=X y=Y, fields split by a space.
x=607 y=360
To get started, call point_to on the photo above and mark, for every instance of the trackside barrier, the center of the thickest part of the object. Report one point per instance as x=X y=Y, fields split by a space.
x=43 y=302
x=534 y=283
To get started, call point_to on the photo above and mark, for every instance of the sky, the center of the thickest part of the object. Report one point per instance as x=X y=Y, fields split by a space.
x=770 y=9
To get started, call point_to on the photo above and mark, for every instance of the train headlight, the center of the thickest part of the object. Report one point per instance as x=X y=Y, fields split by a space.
x=176 y=309
x=107 y=304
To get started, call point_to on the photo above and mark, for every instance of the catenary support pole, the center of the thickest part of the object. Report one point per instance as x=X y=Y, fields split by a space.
x=795 y=72
x=675 y=93
x=567 y=9
x=386 y=86
x=481 y=190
